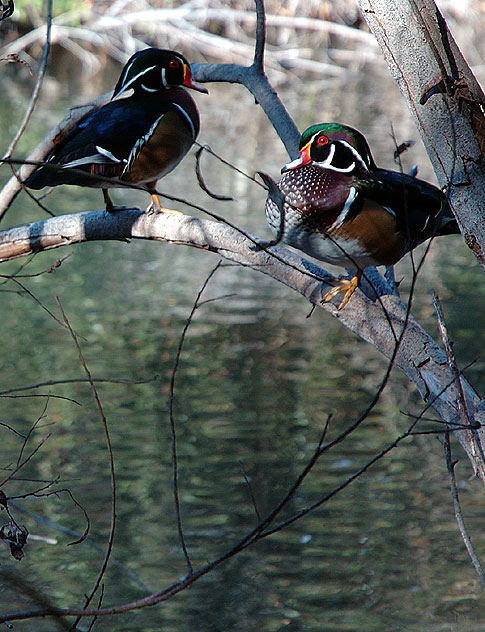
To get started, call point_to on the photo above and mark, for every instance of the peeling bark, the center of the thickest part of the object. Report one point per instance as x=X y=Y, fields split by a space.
x=445 y=100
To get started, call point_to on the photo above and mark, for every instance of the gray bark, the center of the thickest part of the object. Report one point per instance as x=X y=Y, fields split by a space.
x=418 y=356
x=446 y=103
x=445 y=100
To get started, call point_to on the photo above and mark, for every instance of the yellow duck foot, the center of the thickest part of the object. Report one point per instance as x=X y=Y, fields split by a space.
x=348 y=286
x=156 y=207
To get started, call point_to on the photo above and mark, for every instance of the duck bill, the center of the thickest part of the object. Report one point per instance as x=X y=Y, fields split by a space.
x=188 y=82
x=303 y=159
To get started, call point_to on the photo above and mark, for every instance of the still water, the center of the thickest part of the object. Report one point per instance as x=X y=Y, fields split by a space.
x=257 y=382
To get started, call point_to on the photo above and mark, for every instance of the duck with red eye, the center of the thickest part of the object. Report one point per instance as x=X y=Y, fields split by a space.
x=340 y=208
x=335 y=153
x=138 y=137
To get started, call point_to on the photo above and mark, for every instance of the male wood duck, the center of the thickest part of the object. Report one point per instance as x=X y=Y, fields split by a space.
x=138 y=137
x=339 y=207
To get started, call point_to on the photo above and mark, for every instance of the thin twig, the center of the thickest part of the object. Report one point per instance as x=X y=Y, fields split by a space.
x=32 y=296
x=251 y=495
x=201 y=181
x=173 y=431
x=104 y=422
x=38 y=83
x=450 y=354
x=40 y=493
x=229 y=164
x=77 y=535
x=77 y=380
x=29 y=434
x=457 y=507
x=465 y=420
x=21 y=460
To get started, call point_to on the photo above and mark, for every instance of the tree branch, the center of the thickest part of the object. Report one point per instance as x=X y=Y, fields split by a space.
x=75 y=114
x=418 y=356
x=36 y=91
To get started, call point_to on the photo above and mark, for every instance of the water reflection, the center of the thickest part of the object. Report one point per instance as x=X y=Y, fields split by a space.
x=256 y=385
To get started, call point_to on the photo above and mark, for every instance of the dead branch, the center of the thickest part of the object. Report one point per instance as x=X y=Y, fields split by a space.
x=14 y=186
x=104 y=422
x=418 y=356
x=450 y=465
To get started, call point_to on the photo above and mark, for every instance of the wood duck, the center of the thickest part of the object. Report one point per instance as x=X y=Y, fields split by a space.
x=138 y=137
x=339 y=207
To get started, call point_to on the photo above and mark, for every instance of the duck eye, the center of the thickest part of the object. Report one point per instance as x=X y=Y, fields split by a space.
x=322 y=141
x=174 y=63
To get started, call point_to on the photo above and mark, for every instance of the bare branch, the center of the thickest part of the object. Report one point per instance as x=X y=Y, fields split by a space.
x=104 y=422
x=260 y=33
x=458 y=513
x=38 y=83
x=173 y=376
x=258 y=85
x=418 y=357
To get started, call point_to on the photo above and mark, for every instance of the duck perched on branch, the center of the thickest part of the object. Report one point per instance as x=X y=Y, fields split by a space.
x=340 y=208
x=138 y=137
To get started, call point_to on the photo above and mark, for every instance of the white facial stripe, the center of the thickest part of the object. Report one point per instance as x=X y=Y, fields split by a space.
x=344 y=212
x=356 y=154
x=133 y=79
x=327 y=163
x=293 y=163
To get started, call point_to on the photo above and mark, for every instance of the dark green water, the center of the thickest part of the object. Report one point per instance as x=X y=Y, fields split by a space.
x=256 y=383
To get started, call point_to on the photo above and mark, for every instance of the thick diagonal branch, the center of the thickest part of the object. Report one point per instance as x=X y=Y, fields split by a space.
x=418 y=356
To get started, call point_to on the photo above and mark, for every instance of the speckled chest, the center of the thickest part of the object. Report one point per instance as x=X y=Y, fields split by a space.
x=326 y=217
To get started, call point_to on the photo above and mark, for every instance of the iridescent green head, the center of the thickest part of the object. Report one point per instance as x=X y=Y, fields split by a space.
x=333 y=146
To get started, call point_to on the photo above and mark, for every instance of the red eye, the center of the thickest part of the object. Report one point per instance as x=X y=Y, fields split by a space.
x=174 y=63
x=322 y=140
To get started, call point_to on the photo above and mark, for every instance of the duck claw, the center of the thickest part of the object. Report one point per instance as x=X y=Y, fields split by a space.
x=347 y=285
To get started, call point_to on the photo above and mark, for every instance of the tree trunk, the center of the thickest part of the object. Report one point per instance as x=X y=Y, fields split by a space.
x=444 y=98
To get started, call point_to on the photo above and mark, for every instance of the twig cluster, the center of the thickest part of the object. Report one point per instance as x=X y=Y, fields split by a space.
x=386 y=323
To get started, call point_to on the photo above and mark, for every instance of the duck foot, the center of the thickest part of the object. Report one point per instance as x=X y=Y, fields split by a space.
x=348 y=286
x=110 y=207
x=156 y=207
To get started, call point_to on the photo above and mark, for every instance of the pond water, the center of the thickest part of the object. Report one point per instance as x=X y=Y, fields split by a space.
x=256 y=384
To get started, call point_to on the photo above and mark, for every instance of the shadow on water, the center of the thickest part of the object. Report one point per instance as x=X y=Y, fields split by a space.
x=256 y=384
